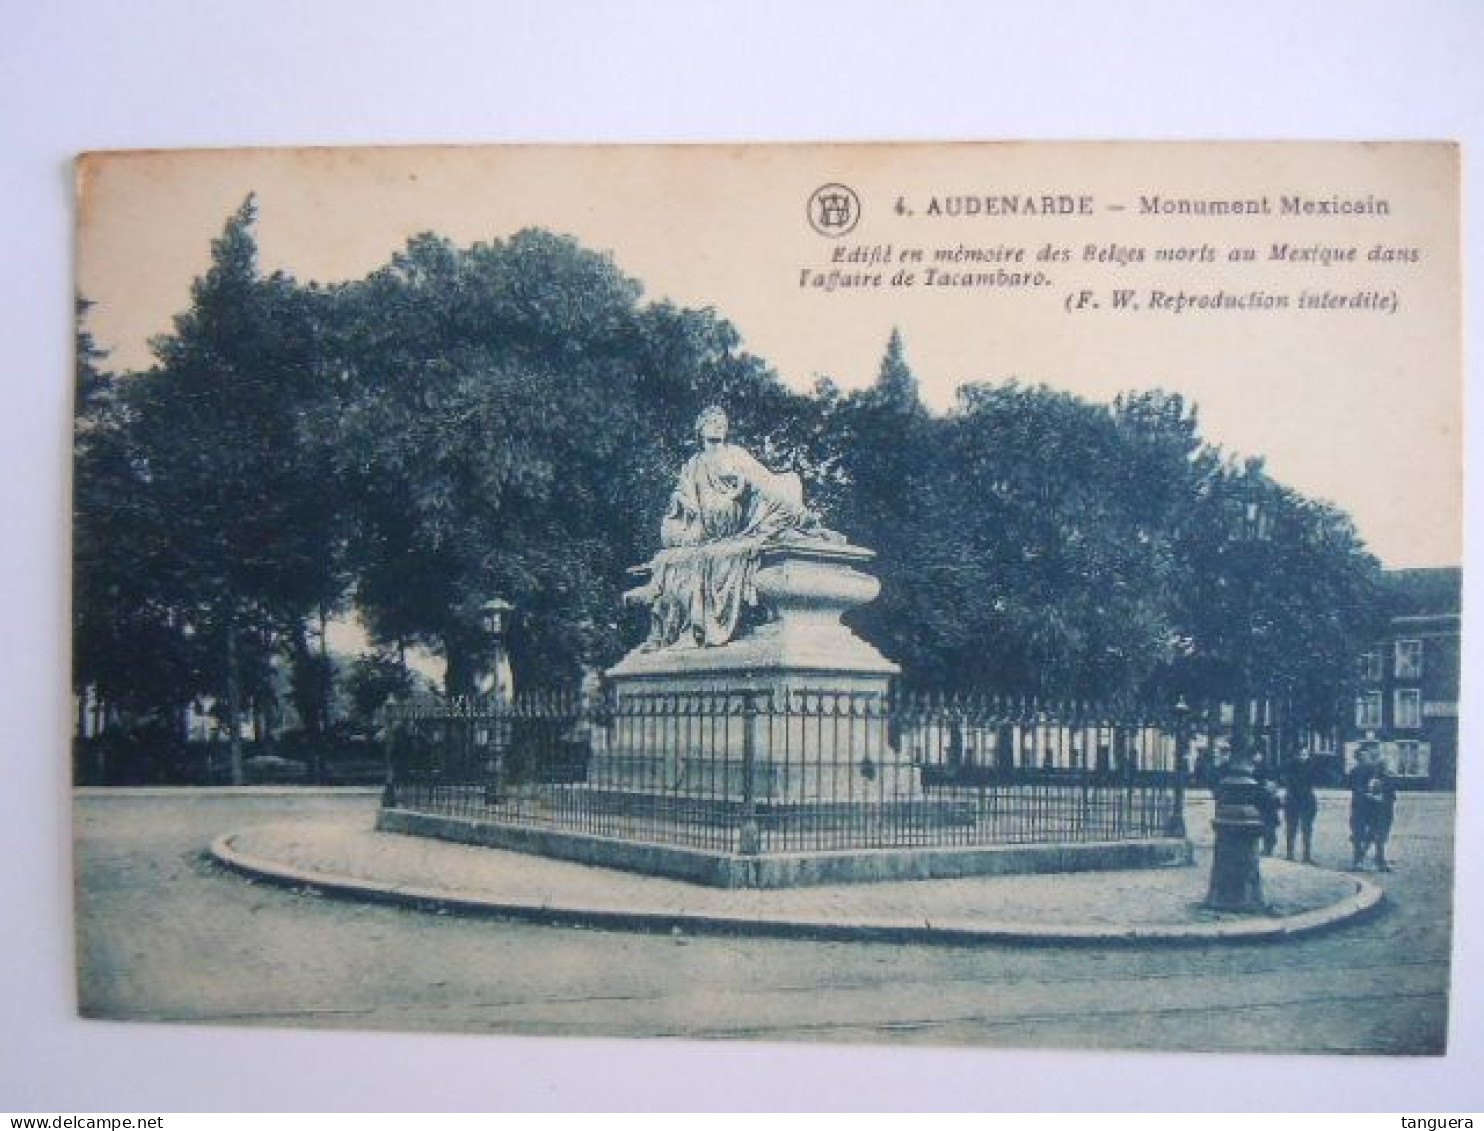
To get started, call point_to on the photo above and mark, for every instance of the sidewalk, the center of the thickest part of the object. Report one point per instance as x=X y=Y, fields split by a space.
x=348 y=858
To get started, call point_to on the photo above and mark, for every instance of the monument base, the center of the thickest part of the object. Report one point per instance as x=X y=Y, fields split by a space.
x=805 y=586
x=799 y=699
x=793 y=869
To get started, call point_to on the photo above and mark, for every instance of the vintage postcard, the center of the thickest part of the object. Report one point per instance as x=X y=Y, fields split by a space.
x=998 y=594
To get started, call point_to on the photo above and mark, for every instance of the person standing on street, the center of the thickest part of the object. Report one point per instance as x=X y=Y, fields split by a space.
x=1381 y=797
x=1268 y=805
x=1300 y=803
x=1372 y=806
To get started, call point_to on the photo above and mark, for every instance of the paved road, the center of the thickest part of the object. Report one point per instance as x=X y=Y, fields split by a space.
x=165 y=935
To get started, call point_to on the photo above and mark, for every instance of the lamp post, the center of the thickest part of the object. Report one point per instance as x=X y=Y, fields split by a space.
x=390 y=719
x=1249 y=523
x=496 y=681
x=1236 y=879
x=496 y=685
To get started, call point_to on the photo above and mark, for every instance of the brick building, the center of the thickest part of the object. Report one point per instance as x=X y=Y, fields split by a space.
x=1409 y=681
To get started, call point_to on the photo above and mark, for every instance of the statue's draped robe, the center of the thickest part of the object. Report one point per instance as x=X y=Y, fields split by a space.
x=725 y=507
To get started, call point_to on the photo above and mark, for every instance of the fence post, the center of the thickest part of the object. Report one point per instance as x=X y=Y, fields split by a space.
x=750 y=836
x=1175 y=826
x=389 y=735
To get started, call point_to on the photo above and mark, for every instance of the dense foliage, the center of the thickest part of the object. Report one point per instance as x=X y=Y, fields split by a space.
x=506 y=419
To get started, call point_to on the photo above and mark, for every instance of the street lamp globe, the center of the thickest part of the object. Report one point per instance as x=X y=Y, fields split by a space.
x=494 y=615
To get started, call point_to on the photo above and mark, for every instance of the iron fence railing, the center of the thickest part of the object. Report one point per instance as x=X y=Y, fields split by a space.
x=805 y=770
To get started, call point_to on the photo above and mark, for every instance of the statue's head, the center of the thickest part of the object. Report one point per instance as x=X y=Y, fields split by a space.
x=712 y=425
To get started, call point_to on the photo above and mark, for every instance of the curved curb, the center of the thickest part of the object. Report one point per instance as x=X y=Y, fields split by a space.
x=1365 y=901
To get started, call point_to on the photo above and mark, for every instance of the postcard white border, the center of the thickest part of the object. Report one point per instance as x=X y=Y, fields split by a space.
x=175 y=73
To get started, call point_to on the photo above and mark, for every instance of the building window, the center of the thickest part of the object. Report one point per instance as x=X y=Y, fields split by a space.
x=1412 y=759
x=1370 y=666
x=1408 y=659
x=1407 y=708
x=1368 y=711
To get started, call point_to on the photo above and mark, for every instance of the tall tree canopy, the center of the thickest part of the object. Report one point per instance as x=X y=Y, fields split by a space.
x=506 y=420
x=230 y=514
x=1012 y=551
x=513 y=417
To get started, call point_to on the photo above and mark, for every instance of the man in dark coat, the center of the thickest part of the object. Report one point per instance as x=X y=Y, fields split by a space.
x=1372 y=806
x=1268 y=804
x=1300 y=803
x=1381 y=797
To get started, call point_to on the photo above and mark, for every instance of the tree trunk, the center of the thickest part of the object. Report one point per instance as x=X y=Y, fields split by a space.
x=327 y=673
x=308 y=691
x=1241 y=717
x=326 y=676
x=458 y=676
x=234 y=701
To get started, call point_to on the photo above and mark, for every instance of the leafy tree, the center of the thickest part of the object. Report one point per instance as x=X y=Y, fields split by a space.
x=1012 y=551
x=1279 y=596
x=92 y=385
x=895 y=382
x=1043 y=545
x=514 y=423
x=889 y=474
x=242 y=502
x=1053 y=566
x=471 y=426
x=132 y=652
x=372 y=681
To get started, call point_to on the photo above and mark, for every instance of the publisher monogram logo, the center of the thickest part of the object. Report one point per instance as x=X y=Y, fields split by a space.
x=834 y=209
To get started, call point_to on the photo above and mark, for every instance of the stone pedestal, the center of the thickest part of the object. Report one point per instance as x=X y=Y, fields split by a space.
x=798 y=698
x=806 y=585
x=1236 y=880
